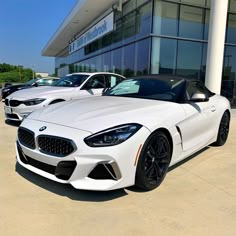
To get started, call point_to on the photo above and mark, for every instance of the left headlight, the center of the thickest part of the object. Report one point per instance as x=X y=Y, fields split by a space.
x=112 y=136
x=5 y=90
x=34 y=101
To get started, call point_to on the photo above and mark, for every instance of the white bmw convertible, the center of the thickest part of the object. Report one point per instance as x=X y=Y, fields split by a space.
x=129 y=136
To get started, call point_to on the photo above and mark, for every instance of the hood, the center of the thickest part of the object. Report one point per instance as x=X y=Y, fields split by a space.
x=40 y=92
x=97 y=113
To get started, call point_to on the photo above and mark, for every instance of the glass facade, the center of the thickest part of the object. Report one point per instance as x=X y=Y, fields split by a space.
x=159 y=37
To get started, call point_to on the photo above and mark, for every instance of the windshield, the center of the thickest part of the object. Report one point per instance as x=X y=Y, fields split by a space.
x=71 y=81
x=30 y=82
x=149 y=88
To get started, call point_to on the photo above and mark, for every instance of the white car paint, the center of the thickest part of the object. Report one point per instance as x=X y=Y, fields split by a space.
x=191 y=126
x=50 y=94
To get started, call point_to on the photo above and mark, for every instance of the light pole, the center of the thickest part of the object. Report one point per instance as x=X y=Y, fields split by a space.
x=20 y=68
x=33 y=69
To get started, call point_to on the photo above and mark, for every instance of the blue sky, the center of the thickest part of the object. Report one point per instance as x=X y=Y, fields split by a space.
x=25 y=28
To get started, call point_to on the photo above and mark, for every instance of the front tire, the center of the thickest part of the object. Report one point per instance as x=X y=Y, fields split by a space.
x=223 y=130
x=153 y=162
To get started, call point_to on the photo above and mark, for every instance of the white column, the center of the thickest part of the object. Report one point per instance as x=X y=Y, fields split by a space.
x=216 y=40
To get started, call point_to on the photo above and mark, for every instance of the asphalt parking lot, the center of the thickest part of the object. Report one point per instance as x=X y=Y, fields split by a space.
x=197 y=197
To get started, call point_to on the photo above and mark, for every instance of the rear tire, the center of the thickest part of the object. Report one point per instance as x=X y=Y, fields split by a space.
x=153 y=162
x=223 y=130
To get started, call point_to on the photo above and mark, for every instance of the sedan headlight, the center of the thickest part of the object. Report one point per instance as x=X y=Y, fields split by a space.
x=112 y=136
x=5 y=90
x=32 y=102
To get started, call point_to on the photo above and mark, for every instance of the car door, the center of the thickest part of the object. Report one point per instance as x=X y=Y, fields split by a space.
x=197 y=129
x=94 y=86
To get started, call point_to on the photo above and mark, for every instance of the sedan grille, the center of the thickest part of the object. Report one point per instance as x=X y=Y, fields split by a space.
x=14 y=103
x=7 y=102
x=26 y=137
x=56 y=146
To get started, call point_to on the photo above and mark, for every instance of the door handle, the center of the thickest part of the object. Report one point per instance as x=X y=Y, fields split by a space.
x=213 y=108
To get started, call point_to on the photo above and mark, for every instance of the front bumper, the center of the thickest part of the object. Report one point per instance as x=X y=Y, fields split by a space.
x=87 y=168
x=20 y=112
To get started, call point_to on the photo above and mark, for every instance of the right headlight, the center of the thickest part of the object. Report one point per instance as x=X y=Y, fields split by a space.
x=32 y=102
x=112 y=136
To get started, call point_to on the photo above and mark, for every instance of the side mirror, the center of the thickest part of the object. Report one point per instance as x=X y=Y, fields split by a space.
x=35 y=84
x=199 y=97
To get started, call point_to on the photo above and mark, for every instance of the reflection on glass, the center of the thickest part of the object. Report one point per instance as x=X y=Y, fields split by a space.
x=189 y=59
x=143 y=20
x=141 y=2
x=231 y=30
x=117 y=33
x=191 y=22
x=164 y=53
x=228 y=88
x=208 y=3
x=142 y=56
x=165 y=18
x=129 y=28
x=116 y=60
x=128 y=7
x=194 y=2
x=128 y=60
x=107 y=62
x=204 y=56
x=206 y=26
x=232 y=6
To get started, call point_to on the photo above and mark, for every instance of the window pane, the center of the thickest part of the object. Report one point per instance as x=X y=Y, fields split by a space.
x=129 y=6
x=165 y=18
x=128 y=60
x=206 y=26
x=107 y=62
x=194 y=2
x=142 y=55
x=208 y=3
x=228 y=88
x=231 y=30
x=232 y=6
x=113 y=80
x=98 y=62
x=189 y=59
x=117 y=33
x=191 y=25
x=204 y=59
x=116 y=61
x=97 y=82
x=129 y=28
x=164 y=56
x=143 y=20
x=141 y=2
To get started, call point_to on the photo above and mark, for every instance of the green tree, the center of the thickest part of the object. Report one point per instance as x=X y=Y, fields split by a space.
x=15 y=74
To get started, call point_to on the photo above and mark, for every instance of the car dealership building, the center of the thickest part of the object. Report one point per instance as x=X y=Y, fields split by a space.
x=135 y=37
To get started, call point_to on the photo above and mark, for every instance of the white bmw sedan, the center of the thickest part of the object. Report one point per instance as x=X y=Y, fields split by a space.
x=129 y=136
x=73 y=86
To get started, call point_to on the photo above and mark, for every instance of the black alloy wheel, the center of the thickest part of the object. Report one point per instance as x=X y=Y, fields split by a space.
x=223 y=129
x=153 y=162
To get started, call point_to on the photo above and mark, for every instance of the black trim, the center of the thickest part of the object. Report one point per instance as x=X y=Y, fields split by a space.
x=103 y=171
x=26 y=137
x=53 y=145
x=63 y=170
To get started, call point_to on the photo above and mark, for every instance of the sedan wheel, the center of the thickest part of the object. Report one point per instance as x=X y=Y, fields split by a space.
x=153 y=162
x=223 y=130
